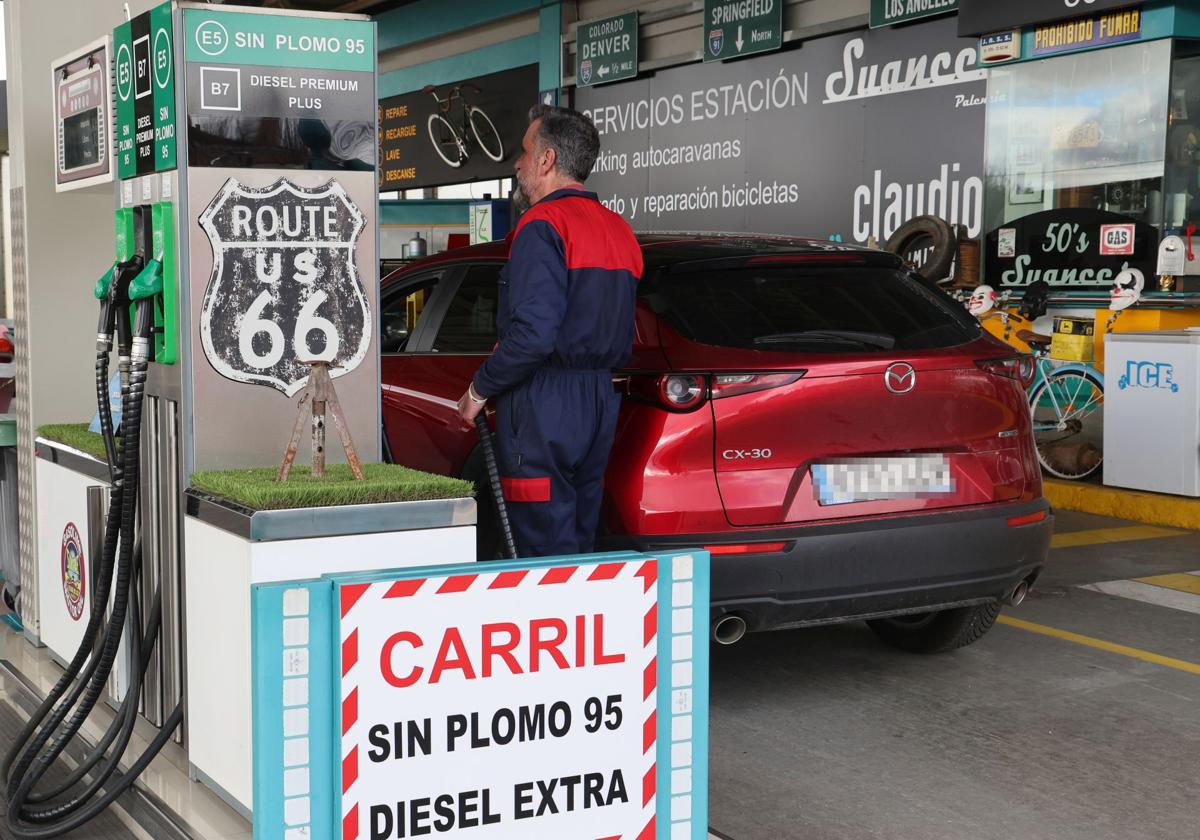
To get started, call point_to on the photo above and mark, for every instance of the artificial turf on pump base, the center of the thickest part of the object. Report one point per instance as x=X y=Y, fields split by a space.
x=257 y=489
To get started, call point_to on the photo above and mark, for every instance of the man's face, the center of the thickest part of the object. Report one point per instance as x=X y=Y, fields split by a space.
x=530 y=164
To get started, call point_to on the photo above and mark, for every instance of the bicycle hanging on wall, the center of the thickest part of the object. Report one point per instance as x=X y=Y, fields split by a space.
x=455 y=130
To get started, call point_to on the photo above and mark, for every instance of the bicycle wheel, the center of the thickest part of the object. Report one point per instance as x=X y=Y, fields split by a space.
x=445 y=140
x=486 y=134
x=1068 y=423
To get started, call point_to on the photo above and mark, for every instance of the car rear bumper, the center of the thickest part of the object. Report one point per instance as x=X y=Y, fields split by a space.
x=873 y=568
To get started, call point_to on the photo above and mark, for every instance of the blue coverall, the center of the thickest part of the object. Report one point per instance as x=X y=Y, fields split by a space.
x=565 y=321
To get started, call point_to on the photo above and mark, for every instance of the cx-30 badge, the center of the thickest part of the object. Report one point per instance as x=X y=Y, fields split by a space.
x=900 y=378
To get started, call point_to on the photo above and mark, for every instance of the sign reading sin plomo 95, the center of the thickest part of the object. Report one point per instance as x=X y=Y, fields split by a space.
x=279 y=41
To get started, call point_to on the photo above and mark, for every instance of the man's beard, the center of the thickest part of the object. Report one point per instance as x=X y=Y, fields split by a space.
x=519 y=198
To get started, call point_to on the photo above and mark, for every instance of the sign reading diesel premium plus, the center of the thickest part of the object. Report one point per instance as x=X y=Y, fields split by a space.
x=145 y=94
x=608 y=49
x=887 y=12
x=741 y=27
x=801 y=142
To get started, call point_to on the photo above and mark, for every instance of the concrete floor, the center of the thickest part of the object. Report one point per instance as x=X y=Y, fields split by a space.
x=827 y=734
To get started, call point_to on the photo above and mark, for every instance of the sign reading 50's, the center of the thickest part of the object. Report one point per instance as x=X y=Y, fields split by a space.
x=284 y=288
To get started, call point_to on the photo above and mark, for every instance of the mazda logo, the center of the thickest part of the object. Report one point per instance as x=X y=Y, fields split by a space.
x=900 y=378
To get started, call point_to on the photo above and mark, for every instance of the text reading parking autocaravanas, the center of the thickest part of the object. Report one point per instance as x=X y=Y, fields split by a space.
x=655 y=158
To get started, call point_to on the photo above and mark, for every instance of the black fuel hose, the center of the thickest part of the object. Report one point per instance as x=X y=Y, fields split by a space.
x=493 y=471
x=122 y=549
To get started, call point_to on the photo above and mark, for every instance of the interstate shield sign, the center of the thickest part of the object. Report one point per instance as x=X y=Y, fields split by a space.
x=284 y=288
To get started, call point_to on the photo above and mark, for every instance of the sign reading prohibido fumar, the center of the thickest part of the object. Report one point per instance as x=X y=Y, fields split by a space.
x=145 y=93
x=536 y=699
x=887 y=12
x=734 y=28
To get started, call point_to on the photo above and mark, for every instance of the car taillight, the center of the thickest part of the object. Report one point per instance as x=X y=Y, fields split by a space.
x=733 y=384
x=746 y=548
x=1020 y=368
x=680 y=392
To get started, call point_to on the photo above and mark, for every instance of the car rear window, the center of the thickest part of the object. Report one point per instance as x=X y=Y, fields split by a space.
x=810 y=309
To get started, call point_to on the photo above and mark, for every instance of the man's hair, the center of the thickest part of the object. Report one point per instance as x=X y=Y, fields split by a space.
x=573 y=137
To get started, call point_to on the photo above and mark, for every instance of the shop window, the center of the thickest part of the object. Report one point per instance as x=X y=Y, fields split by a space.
x=400 y=313
x=470 y=322
x=1182 y=189
x=1075 y=152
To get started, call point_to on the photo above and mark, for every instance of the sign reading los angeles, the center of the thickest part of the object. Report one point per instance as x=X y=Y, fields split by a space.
x=544 y=700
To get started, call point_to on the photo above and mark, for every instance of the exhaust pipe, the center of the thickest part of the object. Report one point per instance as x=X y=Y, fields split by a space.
x=1018 y=594
x=729 y=629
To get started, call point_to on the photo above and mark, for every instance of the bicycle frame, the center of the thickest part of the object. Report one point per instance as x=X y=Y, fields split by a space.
x=1042 y=366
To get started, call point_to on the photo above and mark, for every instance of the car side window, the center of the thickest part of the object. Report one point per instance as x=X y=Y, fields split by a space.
x=470 y=322
x=400 y=312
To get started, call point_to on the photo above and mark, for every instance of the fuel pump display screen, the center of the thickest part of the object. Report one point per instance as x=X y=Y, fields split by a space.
x=81 y=116
x=81 y=145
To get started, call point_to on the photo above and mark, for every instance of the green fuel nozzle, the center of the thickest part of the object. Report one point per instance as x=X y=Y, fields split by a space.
x=147 y=284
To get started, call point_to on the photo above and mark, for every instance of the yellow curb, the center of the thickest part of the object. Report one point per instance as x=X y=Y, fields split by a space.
x=1132 y=505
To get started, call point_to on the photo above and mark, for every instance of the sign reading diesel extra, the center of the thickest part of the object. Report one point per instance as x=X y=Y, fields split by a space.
x=1069 y=247
x=887 y=12
x=607 y=49
x=734 y=28
x=801 y=142
x=540 y=700
x=979 y=17
x=465 y=131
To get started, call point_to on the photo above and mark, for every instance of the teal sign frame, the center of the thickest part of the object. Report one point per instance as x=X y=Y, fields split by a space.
x=242 y=38
x=299 y=773
x=734 y=28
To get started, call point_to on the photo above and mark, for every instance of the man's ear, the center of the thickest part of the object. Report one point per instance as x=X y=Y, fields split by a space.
x=551 y=158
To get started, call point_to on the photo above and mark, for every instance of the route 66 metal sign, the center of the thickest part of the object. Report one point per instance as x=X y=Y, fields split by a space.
x=285 y=288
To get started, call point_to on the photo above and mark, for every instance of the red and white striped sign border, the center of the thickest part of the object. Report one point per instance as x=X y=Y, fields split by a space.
x=352 y=595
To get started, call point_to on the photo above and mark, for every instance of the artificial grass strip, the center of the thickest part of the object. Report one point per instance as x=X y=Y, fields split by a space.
x=76 y=436
x=257 y=489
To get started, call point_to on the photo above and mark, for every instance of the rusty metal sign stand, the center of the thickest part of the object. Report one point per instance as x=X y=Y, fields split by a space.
x=320 y=394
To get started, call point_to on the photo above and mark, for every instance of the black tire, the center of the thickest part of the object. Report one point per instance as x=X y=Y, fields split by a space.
x=937 y=632
x=487 y=524
x=945 y=245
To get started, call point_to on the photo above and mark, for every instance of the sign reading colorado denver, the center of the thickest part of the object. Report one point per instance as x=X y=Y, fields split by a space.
x=608 y=49
x=279 y=41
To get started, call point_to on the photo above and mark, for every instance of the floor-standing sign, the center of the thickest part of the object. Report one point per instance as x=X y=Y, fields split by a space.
x=541 y=699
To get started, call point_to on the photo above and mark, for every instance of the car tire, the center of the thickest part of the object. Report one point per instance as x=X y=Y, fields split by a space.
x=937 y=632
x=487 y=522
x=945 y=245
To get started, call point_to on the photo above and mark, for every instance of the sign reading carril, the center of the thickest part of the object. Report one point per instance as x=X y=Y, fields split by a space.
x=279 y=41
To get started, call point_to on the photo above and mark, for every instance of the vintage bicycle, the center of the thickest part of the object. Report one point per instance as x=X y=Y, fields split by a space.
x=454 y=131
x=1066 y=399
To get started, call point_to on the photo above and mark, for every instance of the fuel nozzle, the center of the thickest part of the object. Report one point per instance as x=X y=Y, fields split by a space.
x=115 y=314
x=143 y=288
x=105 y=328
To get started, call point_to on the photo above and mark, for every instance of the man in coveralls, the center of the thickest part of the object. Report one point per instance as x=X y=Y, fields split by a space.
x=565 y=320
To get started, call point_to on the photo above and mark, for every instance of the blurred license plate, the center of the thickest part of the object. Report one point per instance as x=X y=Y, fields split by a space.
x=873 y=479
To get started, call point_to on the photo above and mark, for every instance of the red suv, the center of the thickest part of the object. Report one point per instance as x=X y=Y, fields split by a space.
x=845 y=439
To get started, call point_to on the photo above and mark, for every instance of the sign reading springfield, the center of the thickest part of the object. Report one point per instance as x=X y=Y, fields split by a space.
x=735 y=28
x=544 y=700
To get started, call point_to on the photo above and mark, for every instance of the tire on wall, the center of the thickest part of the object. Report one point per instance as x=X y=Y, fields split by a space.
x=937 y=632
x=945 y=245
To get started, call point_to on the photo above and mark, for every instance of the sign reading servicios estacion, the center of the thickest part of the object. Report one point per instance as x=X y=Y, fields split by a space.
x=887 y=12
x=734 y=28
x=279 y=41
x=608 y=49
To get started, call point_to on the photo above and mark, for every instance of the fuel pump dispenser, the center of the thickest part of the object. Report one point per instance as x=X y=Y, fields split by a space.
x=243 y=150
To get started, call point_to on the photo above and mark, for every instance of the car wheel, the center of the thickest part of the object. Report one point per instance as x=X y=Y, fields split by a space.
x=939 y=631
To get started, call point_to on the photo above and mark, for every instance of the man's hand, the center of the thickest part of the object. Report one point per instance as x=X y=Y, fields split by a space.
x=468 y=408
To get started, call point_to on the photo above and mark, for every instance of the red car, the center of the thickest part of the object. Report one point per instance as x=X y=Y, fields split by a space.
x=845 y=439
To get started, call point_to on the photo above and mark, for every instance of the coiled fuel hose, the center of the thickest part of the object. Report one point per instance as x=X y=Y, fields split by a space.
x=50 y=813
x=493 y=471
